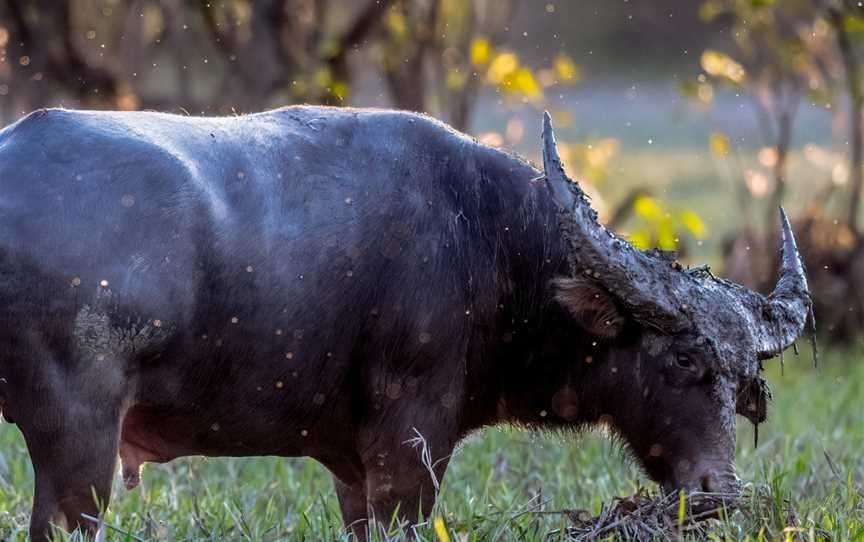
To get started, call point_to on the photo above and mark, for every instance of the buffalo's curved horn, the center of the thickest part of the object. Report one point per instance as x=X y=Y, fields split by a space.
x=641 y=282
x=788 y=304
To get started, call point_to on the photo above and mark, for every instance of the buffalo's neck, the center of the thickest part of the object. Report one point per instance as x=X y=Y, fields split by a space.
x=540 y=362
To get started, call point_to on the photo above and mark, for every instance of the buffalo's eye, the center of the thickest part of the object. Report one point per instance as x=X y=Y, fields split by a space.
x=684 y=362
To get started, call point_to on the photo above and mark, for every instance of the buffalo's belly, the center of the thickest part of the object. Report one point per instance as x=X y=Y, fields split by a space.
x=240 y=391
x=162 y=436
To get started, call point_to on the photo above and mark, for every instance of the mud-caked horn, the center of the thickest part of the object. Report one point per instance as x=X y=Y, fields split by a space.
x=659 y=293
x=640 y=281
x=787 y=307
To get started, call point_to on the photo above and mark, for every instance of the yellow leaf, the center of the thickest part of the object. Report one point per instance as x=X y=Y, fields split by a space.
x=720 y=143
x=455 y=79
x=693 y=223
x=641 y=239
x=600 y=152
x=566 y=69
x=666 y=235
x=502 y=66
x=647 y=208
x=718 y=64
x=562 y=118
x=481 y=50
x=397 y=23
x=441 y=530
x=154 y=23
x=323 y=77
x=524 y=82
x=340 y=90
x=705 y=93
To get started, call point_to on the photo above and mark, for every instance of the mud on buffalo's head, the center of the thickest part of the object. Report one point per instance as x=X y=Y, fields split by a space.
x=688 y=347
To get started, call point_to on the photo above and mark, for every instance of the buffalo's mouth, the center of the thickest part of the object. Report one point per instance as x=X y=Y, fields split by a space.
x=708 y=478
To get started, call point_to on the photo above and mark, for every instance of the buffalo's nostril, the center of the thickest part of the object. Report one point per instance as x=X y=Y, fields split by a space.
x=709 y=484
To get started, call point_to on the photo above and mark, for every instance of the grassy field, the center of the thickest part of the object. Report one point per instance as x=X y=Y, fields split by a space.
x=502 y=479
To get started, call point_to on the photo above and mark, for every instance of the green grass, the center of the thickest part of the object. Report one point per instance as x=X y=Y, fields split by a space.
x=501 y=478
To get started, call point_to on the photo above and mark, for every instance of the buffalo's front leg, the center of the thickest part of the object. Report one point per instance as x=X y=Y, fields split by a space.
x=73 y=445
x=352 y=503
x=402 y=479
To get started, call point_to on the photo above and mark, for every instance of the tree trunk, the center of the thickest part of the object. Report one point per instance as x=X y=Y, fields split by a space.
x=853 y=84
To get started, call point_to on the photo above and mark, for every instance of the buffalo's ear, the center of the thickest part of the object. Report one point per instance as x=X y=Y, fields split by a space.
x=590 y=305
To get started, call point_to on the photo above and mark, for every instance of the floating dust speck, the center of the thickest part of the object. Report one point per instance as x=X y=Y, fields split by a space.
x=280 y=385
x=76 y=281
x=234 y=319
x=128 y=200
x=157 y=323
x=394 y=390
x=289 y=355
x=103 y=283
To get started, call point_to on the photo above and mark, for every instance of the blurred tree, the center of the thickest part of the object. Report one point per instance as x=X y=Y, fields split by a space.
x=782 y=51
x=232 y=55
x=282 y=48
x=847 y=20
x=773 y=63
x=42 y=57
x=202 y=56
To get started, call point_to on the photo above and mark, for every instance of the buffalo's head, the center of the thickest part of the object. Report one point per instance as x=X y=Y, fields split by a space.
x=688 y=347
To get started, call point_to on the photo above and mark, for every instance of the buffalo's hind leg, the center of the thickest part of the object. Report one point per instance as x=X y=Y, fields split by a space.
x=73 y=449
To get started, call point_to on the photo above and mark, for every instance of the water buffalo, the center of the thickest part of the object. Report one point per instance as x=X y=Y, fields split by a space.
x=335 y=283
